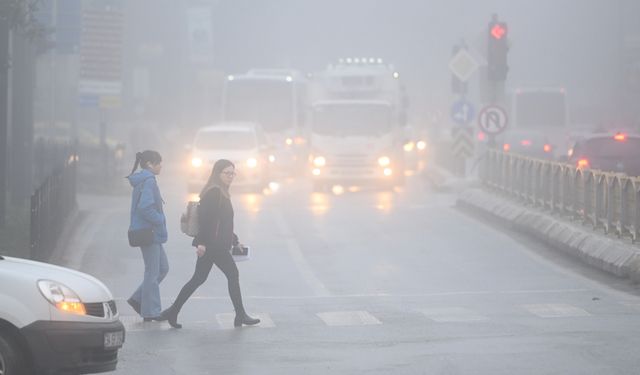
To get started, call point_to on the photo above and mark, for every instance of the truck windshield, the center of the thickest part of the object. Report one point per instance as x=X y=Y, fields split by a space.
x=352 y=119
x=225 y=140
x=540 y=109
x=267 y=102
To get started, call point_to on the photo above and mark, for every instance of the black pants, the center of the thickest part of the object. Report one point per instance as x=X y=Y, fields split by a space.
x=227 y=265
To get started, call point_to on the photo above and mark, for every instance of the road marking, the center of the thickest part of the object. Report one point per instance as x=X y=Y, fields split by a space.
x=556 y=310
x=134 y=323
x=348 y=318
x=225 y=320
x=298 y=258
x=453 y=314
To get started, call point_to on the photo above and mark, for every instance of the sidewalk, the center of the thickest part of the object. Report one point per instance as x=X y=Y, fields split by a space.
x=612 y=255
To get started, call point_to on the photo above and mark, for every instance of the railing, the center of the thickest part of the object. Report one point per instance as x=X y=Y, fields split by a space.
x=51 y=206
x=602 y=200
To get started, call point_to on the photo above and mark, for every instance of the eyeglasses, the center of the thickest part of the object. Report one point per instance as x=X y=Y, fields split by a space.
x=229 y=174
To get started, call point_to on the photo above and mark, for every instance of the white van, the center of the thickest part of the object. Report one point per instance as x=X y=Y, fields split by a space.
x=54 y=319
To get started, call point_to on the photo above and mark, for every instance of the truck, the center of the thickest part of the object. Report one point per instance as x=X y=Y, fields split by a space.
x=356 y=126
x=277 y=100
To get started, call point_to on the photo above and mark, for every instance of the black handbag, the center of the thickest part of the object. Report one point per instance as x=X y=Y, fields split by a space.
x=140 y=237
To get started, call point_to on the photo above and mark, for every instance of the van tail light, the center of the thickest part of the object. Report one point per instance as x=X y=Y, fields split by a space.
x=583 y=163
x=547 y=148
x=506 y=147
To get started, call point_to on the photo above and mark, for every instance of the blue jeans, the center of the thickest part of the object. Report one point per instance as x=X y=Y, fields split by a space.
x=156 y=267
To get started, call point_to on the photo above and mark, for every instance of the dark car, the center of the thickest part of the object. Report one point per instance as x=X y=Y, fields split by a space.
x=606 y=152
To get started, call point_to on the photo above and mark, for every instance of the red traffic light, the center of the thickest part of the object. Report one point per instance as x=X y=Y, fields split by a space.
x=498 y=31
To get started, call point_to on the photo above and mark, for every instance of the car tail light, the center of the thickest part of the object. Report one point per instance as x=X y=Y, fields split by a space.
x=547 y=148
x=583 y=163
x=620 y=137
x=506 y=147
x=481 y=136
x=525 y=142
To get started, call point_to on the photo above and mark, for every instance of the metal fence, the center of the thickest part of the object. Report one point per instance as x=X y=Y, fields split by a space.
x=51 y=205
x=610 y=201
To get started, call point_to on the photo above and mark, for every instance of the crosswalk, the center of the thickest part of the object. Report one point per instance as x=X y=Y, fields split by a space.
x=353 y=318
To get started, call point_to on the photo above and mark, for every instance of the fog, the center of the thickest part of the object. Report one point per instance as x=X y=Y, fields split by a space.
x=407 y=187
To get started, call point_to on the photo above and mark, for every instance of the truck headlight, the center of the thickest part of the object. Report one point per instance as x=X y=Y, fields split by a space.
x=252 y=162
x=62 y=297
x=196 y=162
x=384 y=161
x=319 y=161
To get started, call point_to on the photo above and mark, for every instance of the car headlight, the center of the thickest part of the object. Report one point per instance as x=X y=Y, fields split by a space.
x=384 y=161
x=409 y=146
x=272 y=158
x=319 y=161
x=288 y=141
x=421 y=145
x=252 y=162
x=62 y=297
x=196 y=162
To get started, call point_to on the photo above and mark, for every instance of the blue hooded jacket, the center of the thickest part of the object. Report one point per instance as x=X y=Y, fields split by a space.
x=146 y=205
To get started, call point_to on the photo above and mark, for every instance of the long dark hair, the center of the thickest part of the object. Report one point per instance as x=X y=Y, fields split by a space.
x=214 y=179
x=144 y=158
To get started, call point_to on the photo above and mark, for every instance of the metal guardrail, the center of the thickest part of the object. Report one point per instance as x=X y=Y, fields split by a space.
x=603 y=200
x=51 y=205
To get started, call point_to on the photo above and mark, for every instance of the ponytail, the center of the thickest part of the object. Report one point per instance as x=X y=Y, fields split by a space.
x=144 y=158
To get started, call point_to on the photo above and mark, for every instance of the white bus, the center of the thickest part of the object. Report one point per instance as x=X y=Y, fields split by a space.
x=277 y=100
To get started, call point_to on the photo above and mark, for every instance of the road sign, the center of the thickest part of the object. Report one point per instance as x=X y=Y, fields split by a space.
x=493 y=120
x=463 y=65
x=462 y=112
x=463 y=145
x=100 y=83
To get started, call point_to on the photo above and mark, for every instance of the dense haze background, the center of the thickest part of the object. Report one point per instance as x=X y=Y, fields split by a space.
x=586 y=46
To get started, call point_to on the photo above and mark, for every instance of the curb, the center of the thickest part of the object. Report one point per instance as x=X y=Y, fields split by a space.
x=607 y=254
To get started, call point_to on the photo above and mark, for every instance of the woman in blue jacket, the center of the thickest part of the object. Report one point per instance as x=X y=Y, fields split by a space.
x=146 y=211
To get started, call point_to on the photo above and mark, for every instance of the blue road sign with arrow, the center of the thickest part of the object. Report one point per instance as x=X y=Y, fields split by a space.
x=462 y=112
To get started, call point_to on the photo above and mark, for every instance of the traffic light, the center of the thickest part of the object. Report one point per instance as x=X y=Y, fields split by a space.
x=498 y=44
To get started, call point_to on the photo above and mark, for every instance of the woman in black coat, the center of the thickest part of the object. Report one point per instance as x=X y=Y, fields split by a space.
x=213 y=242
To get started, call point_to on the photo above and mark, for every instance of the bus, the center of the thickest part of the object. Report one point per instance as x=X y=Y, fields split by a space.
x=277 y=100
x=539 y=122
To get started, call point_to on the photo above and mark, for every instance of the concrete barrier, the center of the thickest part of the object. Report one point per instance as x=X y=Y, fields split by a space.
x=603 y=252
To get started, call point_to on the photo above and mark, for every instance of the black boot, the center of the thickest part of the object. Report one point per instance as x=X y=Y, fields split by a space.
x=244 y=319
x=135 y=305
x=171 y=315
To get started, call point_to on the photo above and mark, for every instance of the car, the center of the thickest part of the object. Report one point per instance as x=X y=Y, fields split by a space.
x=55 y=320
x=243 y=143
x=528 y=144
x=618 y=152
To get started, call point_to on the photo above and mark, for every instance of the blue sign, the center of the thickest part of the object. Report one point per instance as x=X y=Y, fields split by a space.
x=462 y=112
x=88 y=100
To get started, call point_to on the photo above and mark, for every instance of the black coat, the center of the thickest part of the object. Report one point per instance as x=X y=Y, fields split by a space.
x=215 y=222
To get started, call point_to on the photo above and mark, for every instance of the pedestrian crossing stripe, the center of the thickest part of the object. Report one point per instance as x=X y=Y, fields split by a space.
x=557 y=310
x=133 y=323
x=453 y=314
x=348 y=318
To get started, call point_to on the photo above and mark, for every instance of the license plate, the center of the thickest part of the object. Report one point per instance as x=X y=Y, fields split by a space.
x=113 y=339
